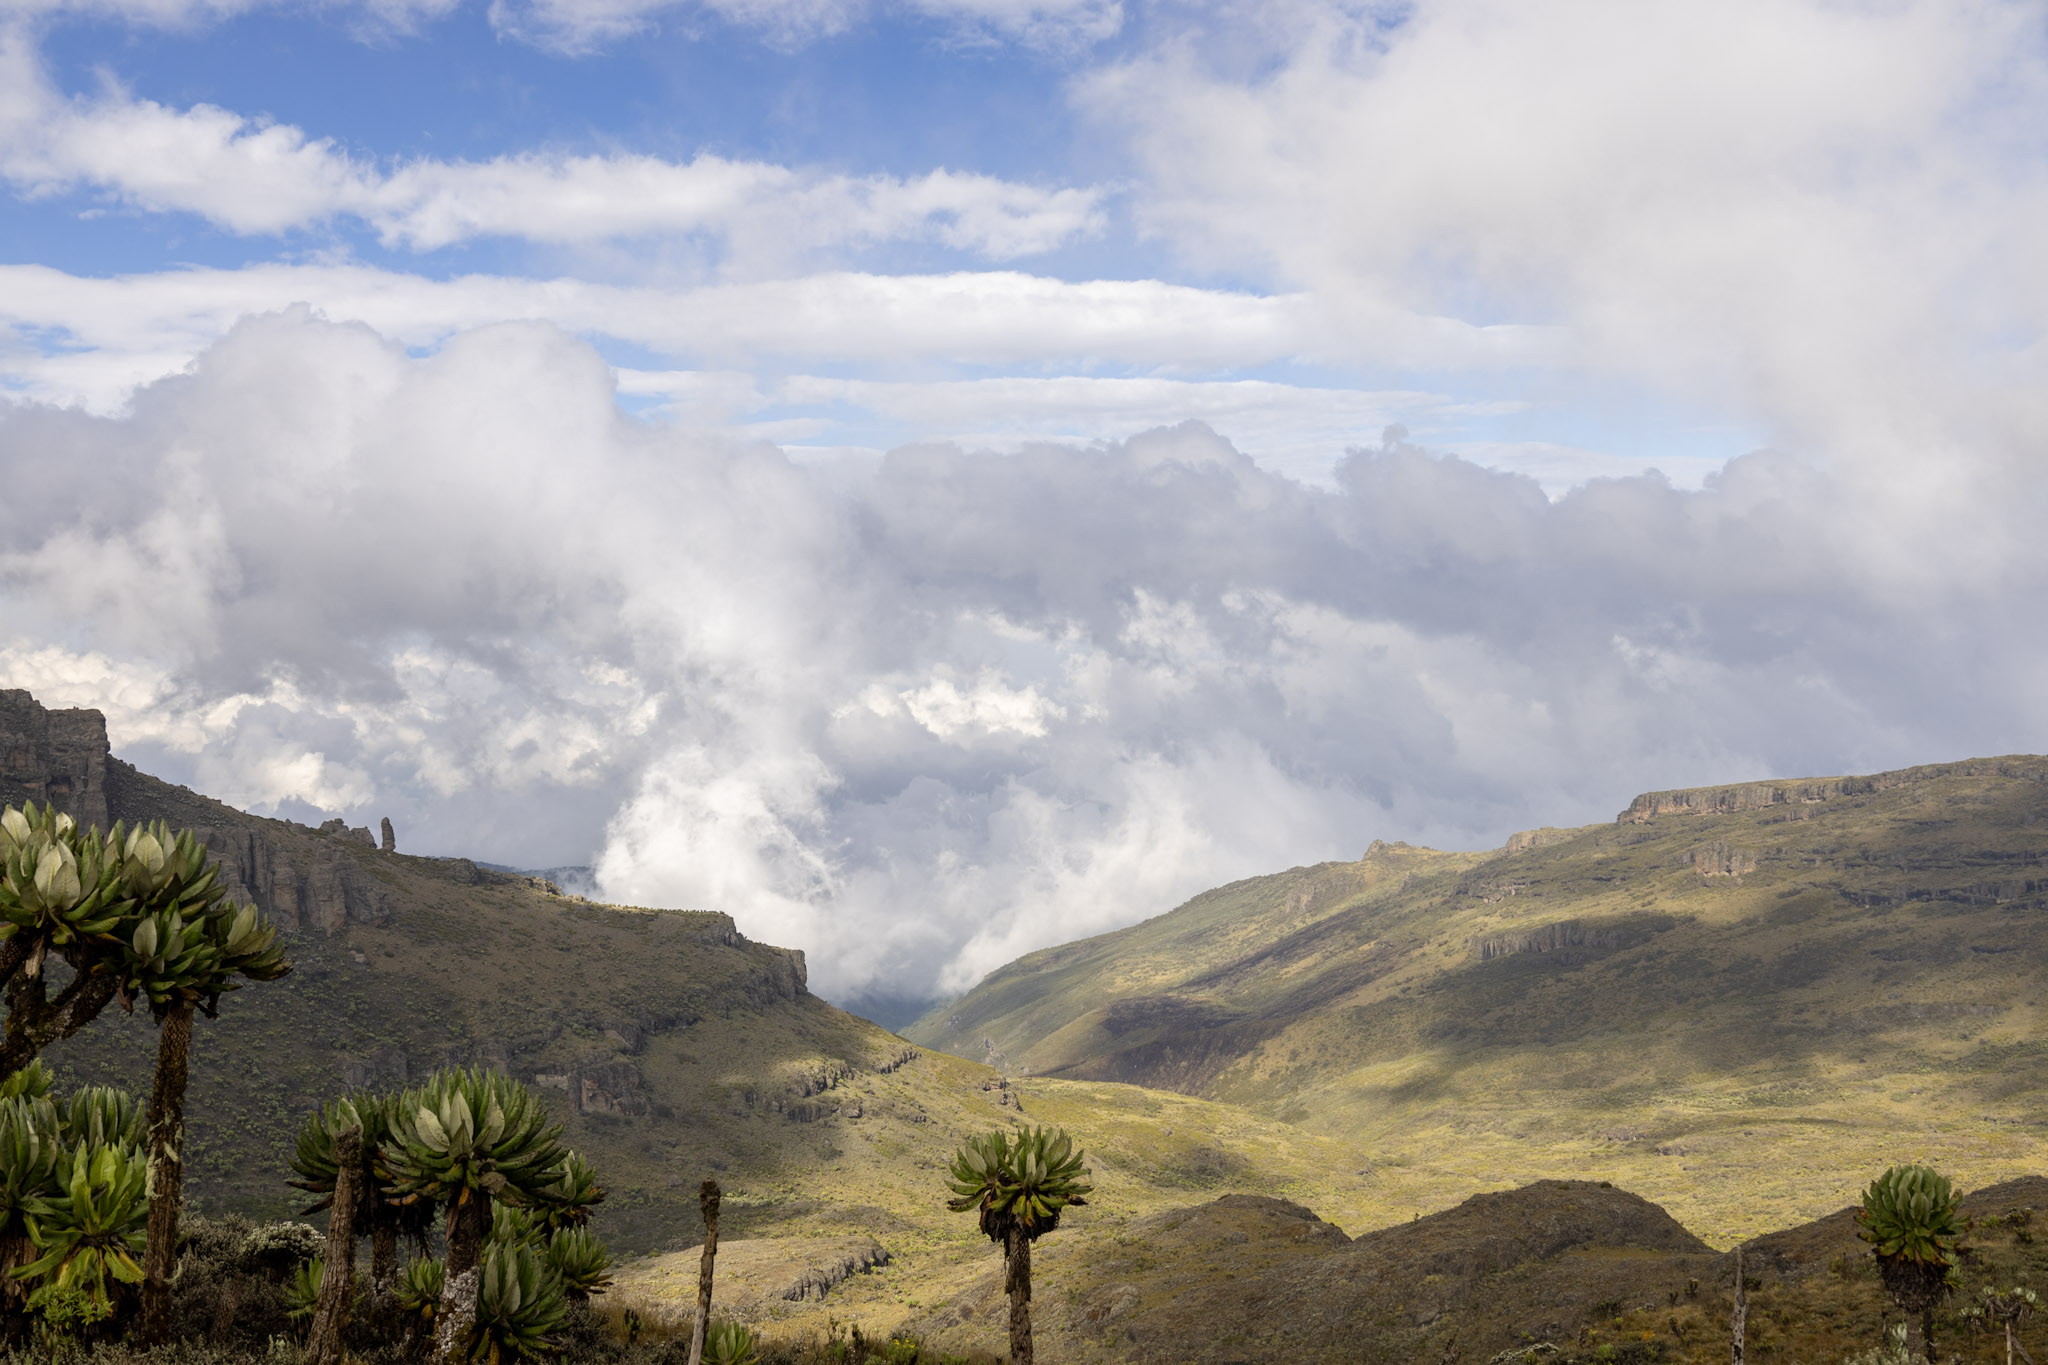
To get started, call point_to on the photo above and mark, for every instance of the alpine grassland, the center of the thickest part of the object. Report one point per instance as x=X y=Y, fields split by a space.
x=1478 y=1107
x=1741 y=1002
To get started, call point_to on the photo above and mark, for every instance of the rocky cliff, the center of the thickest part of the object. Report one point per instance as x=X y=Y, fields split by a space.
x=1749 y=796
x=53 y=758
x=303 y=878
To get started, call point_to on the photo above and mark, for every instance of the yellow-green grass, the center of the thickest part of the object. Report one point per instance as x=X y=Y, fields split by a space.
x=1776 y=997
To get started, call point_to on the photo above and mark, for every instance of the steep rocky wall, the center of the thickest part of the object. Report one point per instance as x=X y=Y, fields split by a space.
x=1762 y=795
x=53 y=758
x=297 y=882
x=303 y=879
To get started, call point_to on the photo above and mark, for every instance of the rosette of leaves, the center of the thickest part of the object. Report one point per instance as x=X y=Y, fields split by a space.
x=180 y=959
x=581 y=1261
x=101 y=1116
x=29 y=1144
x=517 y=1226
x=465 y=1139
x=313 y=1159
x=571 y=1192
x=32 y=1082
x=1021 y=1182
x=59 y=885
x=728 y=1343
x=89 y=1229
x=419 y=1288
x=519 y=1302
x=302 y=1290
x=377 y=1216
x=1911 y=1219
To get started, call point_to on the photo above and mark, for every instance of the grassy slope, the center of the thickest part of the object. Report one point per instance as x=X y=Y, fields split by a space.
x=1741 y=1049
x=1599 y=1273
x=811 y=1118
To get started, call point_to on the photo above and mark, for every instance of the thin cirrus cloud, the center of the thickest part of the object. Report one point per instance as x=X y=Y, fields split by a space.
x=582 y=26
x=119 y=330
x=252 y=177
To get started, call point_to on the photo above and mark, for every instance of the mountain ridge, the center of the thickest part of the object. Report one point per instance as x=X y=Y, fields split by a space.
x=1835 y=960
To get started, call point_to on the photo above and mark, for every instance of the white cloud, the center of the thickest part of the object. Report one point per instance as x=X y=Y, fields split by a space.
x=110 y=331
x=254 y=177
x=582 y=25
x=918 y=716
x=1821 y=217
x=579 y=26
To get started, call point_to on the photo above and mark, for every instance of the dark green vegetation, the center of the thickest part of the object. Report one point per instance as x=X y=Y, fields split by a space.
x=1913 y=1223
x=1741 y=1001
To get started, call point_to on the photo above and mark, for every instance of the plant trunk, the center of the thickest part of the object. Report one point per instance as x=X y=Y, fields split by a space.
x=468 y=1223
x=34 y=1021
x=1017 y=1279
x=16 y=1250
x=166 y=1172
x=707 y=1198
x=337 y=1286
x=230 y=1304
x=383 y=1256
x=457 y=1316
x=1738 y=1326
x=1916 y=1289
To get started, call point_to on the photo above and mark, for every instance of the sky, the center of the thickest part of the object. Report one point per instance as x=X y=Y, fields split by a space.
x=940 y=478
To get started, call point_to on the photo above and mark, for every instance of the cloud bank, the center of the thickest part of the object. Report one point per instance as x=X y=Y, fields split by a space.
x=919 y=717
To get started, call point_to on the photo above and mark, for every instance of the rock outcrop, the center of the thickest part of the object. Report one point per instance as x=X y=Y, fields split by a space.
x=1719 y=859
x=300 y=885
x=1746 y=796
x=296 y=876
x=1549 y=938
x=53 y=758
x=390 y=836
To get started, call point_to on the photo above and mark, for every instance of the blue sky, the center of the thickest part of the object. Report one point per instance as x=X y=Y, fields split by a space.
x=818 y=92
x=939 y=477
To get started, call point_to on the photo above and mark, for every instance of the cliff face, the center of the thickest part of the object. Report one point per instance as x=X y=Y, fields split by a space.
x=302 y=878
x=404 y=964
x=53 y=758
x=1748 y=796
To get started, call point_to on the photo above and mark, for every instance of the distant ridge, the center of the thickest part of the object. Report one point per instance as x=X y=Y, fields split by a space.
x=1743 y=796
x=1776 y=982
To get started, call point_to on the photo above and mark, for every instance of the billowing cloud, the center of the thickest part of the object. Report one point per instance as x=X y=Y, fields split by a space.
x=922 y=716
x=1822 y=215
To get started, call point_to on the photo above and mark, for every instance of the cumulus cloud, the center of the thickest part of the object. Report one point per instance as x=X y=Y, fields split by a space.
x=924 y=716
x=1823 y=216
x=253 y=177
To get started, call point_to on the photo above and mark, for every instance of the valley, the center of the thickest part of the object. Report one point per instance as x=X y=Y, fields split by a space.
x=1718 y=1016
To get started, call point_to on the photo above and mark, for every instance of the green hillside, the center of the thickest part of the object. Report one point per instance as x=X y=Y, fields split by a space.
x=671 y=1047
x=1730 y=999
x=1567 y=1272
